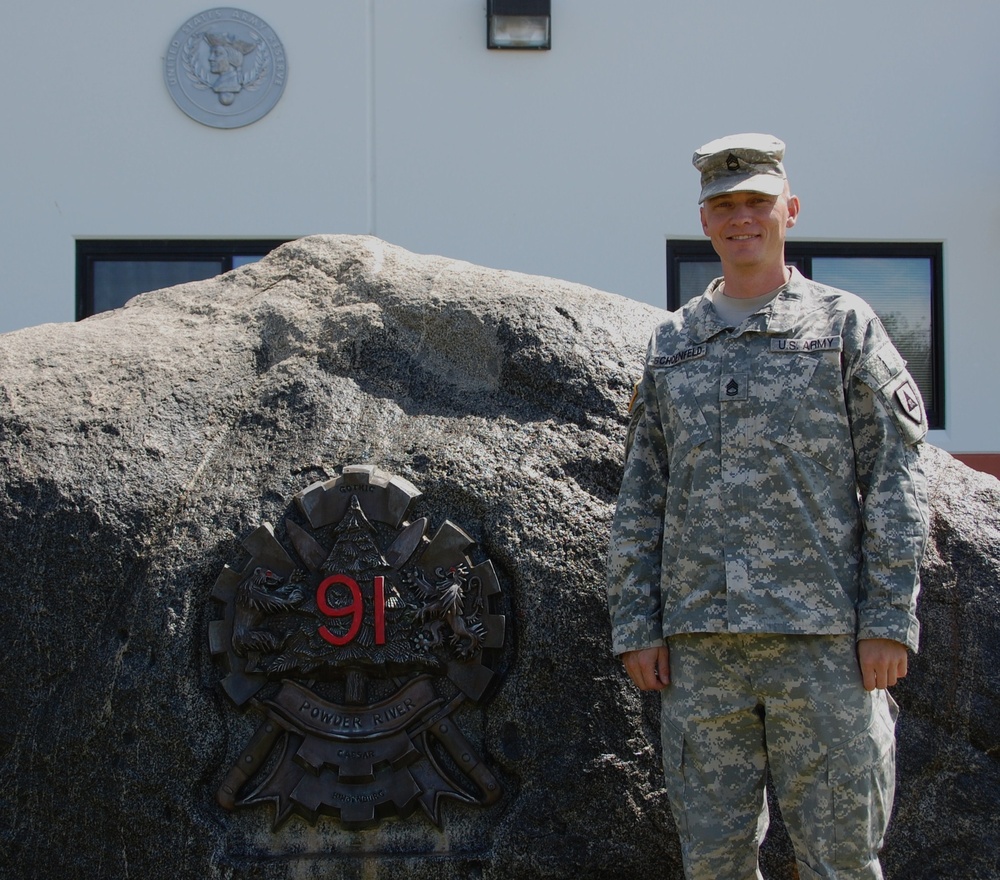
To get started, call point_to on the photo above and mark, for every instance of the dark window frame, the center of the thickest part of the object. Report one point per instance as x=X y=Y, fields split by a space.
x=802 y=253
x=91 y=251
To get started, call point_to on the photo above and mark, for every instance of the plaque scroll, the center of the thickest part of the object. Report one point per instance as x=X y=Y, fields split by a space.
x=356 y=637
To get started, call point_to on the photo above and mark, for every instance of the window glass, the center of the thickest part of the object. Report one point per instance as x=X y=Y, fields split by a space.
x=244 y=259
x=899 y=290
x=695 y=276
x=110 y=272
x=117 y=281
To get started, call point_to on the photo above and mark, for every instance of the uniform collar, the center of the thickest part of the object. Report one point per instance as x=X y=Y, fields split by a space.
x=778 y=316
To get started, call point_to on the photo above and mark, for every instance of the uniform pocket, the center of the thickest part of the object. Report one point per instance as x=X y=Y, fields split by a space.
x=684 y=403
x=672 y=741
x=806 y=412
x=862 y=776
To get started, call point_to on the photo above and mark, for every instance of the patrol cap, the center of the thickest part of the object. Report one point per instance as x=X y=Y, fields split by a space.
x=741 y=163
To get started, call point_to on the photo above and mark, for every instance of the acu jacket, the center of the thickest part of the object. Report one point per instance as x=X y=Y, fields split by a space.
x=774 y=482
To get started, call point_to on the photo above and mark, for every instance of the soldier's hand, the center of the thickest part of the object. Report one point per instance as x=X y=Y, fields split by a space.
x=648 y=668
x=883 y=662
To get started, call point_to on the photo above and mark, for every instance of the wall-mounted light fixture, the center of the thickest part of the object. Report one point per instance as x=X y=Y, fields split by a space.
x=519 y=24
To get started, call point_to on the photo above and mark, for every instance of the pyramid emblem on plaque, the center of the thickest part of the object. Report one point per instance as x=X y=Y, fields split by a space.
x=356 y=637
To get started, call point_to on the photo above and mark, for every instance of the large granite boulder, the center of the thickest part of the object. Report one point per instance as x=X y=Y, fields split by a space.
x=152 y=459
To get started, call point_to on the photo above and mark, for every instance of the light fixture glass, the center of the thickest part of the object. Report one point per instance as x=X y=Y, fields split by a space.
x=519 y=32
x=519 y=24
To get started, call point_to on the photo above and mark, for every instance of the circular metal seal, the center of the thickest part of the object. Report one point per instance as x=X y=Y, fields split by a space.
x=225 y=68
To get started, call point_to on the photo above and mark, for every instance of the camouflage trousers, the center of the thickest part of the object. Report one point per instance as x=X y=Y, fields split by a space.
x=740 y=704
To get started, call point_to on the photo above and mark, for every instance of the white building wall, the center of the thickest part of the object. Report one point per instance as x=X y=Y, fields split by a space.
x=574 y=163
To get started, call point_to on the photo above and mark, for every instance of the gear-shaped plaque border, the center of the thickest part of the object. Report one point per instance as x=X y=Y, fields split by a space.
x=356 y=637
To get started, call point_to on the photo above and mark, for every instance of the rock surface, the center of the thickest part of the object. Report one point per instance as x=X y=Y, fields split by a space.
x=138 y=449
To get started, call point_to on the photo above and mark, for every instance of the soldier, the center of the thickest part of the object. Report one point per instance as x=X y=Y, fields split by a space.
x=764 y=554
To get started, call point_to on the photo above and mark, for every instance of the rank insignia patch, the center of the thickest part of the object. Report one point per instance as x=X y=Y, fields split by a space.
x=356 y=638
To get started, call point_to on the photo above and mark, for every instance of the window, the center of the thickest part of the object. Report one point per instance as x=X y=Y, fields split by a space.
x=901 y=281
x=109 y=273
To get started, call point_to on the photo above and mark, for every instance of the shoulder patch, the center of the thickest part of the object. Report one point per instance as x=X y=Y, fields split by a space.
x=909 y=399
x=634 y=399
x=886 y=374
x=882 y=366
x=907 y=407
x=636 y=410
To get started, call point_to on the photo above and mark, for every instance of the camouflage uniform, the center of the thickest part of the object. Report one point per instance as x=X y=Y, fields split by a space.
x=773 y=487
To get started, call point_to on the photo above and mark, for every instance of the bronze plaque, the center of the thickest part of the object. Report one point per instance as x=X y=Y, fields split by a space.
x=356 y=636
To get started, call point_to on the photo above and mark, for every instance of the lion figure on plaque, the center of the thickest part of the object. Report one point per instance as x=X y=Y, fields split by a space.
x=445 y=600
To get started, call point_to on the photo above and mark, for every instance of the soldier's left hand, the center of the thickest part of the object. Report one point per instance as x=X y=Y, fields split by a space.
x=883 y=662
x=649 y=668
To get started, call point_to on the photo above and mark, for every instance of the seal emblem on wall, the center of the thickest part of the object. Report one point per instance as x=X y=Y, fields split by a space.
x=356 y=636
x=225 y=68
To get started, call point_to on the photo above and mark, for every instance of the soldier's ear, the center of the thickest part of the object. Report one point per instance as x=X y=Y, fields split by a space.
x=793 y=211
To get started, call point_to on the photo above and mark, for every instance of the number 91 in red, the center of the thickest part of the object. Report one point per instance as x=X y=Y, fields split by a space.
x=355 y=609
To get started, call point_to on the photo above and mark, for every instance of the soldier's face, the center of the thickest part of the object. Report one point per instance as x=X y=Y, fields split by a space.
x=747 y=228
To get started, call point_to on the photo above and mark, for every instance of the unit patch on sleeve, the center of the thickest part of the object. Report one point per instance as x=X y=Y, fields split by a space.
x=909 y=399
x=903 y=401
